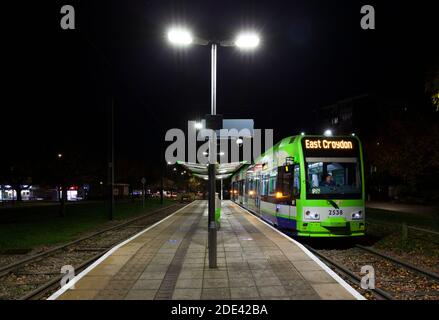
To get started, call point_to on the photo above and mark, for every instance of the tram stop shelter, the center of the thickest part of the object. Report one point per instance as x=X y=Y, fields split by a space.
x=211 y=173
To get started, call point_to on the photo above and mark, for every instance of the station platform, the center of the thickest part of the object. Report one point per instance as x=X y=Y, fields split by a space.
x=169 y=260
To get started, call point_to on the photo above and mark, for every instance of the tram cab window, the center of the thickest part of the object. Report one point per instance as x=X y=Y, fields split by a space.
x=338 y=177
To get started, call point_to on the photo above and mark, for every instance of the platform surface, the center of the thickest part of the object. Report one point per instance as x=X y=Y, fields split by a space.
x=170 y=261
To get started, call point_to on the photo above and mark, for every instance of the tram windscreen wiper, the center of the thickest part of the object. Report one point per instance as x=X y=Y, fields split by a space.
x=332 y=202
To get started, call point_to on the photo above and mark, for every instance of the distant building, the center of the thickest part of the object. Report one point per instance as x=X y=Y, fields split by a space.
x=369 y=117
x=41 y=193
x=121 y=190
x=361 y=115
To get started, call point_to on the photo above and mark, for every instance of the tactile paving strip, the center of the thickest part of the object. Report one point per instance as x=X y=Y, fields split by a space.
x=132 y=270
x=169 y=281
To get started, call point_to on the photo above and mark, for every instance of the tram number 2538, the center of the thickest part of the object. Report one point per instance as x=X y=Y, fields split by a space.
x=335 y=212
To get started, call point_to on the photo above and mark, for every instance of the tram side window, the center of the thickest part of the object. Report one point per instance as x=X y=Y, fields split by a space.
x=272 y=183
x=284 y=180
x=250 y=185
x=265 y=182
x=241 y=187
x=296 y=182
x=289 y=181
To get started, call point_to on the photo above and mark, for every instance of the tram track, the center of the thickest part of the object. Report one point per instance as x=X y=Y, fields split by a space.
x=395 y=279
x=414 y=280
x=37 y=275
x=379 y=293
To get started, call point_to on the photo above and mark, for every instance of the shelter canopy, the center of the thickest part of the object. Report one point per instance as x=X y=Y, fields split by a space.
x=223 y=170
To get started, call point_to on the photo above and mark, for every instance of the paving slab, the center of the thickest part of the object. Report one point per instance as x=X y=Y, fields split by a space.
x=170 y=261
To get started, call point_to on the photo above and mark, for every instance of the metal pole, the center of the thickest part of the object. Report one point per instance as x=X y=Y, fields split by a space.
x=211 y=218
x=213 y=80
x=143 y=195
x=222 y=191
x=212 y=237
x=111 y=162
x=161 y=173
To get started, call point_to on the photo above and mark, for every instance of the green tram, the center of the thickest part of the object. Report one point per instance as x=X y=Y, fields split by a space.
x=312 y=186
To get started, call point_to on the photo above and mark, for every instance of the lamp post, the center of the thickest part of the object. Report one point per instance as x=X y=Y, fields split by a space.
x=245 y=41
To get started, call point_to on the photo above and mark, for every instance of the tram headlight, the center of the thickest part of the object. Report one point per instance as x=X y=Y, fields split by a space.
x=357 y=215
x=312 y=215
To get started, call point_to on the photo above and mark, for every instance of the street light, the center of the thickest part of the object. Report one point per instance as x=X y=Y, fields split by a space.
x=328 y=133
x=180 y=36
x=59 y=155
x=198 y=125
x=247 y=40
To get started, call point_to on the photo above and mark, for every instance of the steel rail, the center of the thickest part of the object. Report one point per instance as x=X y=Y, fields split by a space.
x=6 y=269
x=356 y=279
x=39 y=291
x=407 y=265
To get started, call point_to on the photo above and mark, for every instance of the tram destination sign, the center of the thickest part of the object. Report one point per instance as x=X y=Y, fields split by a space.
x=327 y=146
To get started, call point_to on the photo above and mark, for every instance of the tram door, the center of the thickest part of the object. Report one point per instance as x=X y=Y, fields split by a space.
x=295 y=190
x=258 y=195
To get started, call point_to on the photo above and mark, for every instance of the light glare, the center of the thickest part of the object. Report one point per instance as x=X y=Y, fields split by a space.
x=180 y=36
x=198 y=125
x=247 y=41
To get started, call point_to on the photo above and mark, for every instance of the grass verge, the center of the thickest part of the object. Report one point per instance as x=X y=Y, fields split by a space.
x=32 y=226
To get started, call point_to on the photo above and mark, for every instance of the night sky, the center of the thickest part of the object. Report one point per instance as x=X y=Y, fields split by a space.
x=57 y=83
